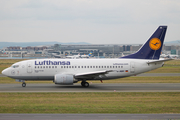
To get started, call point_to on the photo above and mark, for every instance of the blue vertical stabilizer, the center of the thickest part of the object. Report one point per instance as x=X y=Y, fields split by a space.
x=152 y=48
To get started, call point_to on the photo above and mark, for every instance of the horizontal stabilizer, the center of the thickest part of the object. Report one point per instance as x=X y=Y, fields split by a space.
x=158 y=61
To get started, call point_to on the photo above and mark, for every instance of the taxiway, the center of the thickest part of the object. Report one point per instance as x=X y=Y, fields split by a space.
x=94 y=87
x=89 y=116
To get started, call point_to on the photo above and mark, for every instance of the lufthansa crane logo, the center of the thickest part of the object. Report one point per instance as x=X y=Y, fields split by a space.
x=155 y=44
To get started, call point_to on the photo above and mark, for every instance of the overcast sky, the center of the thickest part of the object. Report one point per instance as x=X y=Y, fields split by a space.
x=92 y=21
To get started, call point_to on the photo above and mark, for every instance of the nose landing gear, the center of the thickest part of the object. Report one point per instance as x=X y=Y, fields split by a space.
x=23 y=82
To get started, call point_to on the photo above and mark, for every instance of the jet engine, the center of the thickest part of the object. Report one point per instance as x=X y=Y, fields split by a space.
x=64 y=79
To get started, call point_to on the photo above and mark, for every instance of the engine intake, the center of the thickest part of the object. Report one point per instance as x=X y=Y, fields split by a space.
x=64 y=79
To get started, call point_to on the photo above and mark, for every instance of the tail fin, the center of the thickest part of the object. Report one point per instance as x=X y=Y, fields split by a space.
x=90 y=54
x=152 y=48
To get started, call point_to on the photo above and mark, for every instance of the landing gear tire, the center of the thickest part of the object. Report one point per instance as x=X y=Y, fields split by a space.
x=85 y=84
x=23 y=84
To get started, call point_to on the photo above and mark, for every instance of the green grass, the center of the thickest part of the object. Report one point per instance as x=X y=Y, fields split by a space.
x=173 y=63
x=136 y=79
x=168 y=102
x=166 y=69
x=4 y=63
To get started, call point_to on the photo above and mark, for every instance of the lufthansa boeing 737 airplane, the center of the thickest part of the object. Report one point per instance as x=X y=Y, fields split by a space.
x=69 y=71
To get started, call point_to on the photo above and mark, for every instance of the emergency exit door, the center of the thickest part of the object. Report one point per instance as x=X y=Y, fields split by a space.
x=29 y=67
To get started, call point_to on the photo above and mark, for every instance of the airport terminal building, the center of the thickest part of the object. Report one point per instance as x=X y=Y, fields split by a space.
x=61 y=51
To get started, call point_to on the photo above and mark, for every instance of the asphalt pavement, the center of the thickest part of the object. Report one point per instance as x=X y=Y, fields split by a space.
x=93 y=87
x=89 y=116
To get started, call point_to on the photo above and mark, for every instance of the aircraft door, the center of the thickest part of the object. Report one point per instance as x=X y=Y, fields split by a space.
x=29 y=67
x=132 y=67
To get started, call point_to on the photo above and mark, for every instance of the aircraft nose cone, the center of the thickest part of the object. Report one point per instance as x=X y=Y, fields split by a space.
x=5 y=72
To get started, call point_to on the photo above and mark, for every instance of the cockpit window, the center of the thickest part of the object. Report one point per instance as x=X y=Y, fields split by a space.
x=15 y=66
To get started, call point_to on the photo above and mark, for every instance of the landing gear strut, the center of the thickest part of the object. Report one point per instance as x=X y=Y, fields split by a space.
x=85 y=84
x=23 y=84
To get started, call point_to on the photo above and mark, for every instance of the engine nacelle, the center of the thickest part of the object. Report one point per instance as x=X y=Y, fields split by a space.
x=64 y=79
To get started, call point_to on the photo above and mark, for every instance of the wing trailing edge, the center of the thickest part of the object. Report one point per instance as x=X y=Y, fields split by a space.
x=91 y=74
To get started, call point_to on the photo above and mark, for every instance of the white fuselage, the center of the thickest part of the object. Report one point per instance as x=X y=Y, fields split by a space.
x=46 y=69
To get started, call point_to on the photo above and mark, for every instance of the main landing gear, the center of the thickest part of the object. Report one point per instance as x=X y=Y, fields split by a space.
x=85 y=84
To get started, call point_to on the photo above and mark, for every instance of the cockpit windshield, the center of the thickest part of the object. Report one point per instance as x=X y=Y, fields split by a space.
x=15 y=66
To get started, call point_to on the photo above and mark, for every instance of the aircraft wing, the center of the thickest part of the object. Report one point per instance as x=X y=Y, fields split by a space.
x=158 y=61
x=91 y=75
